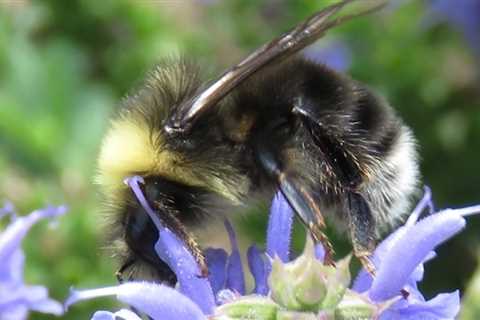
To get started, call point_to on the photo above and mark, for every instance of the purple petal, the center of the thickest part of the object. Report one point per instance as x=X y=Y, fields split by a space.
x=259 y=268
x=417 y=274
x=465 y=211
x=363 y=281
x=11 y=271
x=28 y=298
x=444 y=306
x=409 y=251
x=279 y=231
x=14 y=312
x=122 y=314
x=320 y=252
x=45 y=304
x=235 y=276
x=11 y=238
x=21 y=298
x=425 y=202
x=217 y=268
x=155 y=300
x=134 y=183
x=191 y=283
x=162 y=303
x=176 y=255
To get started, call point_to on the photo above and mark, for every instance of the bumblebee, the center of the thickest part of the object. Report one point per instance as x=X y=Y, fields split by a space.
x=275 y=121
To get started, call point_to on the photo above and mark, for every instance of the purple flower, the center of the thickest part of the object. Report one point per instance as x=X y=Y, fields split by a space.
x=402 y=254
x=174 y=252
x=315 y=286
x=195 y=297
x=461 y=14
x=17 y=299
x=259 y=268
x=225 y=281
x=280 y=223
x=155 y=300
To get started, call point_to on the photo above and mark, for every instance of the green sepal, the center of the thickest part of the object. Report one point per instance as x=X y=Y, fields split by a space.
x=355 y=306
x=338 y=280
x=249 y=307
x=296 y=315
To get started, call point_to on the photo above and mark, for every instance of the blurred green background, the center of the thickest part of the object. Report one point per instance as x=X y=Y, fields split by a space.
x=64 y=66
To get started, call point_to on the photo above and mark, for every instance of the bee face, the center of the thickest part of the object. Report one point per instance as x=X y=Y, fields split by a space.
x=274 y=121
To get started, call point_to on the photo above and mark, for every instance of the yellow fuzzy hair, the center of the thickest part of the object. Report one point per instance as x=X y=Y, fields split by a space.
x=130 y=148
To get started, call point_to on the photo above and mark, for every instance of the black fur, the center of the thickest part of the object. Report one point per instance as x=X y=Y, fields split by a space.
x=328 y=132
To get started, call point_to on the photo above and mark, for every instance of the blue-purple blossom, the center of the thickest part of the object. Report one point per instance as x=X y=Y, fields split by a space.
x=216 y=259
x=17 y=298
x=414 y=243
x=386 y=297
x=259 y=268
x=155 y=300
x=463 y=15
x=280 y=223
x=235 y=280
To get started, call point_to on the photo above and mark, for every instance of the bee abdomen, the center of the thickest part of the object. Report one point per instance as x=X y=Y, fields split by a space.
x=394 y=181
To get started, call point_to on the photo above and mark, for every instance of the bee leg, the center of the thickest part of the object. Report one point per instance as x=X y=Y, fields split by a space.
x=119 y=274
x=362 y=230
x=174 y=224
x=308 y=211
x=299 y=198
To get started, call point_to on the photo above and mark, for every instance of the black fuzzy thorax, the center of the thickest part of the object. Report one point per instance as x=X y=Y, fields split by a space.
x=355 y=131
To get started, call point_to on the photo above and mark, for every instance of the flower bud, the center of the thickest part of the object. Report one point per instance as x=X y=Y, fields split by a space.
x=305 y=284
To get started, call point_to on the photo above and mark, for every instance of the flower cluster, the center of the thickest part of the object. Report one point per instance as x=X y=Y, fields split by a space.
x=300 y=289
x=16 y=297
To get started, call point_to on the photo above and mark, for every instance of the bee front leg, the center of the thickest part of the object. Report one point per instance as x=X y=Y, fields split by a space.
x=362 y=230
x=119 y=274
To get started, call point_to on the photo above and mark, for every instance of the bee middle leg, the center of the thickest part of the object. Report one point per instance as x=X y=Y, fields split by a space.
x=306 y=208
x=362 y=230
x=298 y=196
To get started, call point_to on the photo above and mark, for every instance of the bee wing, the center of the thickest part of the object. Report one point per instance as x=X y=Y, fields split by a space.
x=280 y=48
